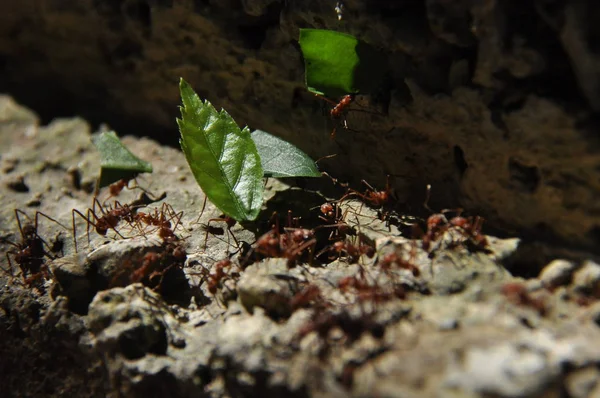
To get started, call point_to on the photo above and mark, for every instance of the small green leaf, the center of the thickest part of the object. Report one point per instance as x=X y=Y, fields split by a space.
x=223 y=158
x=337 y=63
x=116 y=161
x=281 y=159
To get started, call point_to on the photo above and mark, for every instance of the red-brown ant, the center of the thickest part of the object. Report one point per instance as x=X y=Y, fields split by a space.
x=351 y=251
x=517 y=294
x=222 y=271
x=352 y=327
x=375 y=198
x=109 y=220
x=332 y=215
x=340 y=107
x=367 y=291
x=372 y=196
x=153 y=265
x=438 y=224
x=311 y=294
x=290 y=244
x=472 y=230
x=215 y=278
x=229 y=221
x=162 y=219
x=150 y=262
x=29 y=253
x=338 y=110
x=117 y=187
x=394 y=259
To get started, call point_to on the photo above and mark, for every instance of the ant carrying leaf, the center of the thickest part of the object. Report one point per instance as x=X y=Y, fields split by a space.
x=118 y=164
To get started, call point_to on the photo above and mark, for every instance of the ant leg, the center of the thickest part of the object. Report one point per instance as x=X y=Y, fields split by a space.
x=332 y=102
x=310 y=243
x=214 y=231
x=75 y=228
x=478 y=224
x=138 y=186
x=88 y=220
x=201 y=211
x=39 y=213
x=229 y=232
x=10 y=266
x=458 y=211
x=368 y=185
x=17 y=211
x=173 y=215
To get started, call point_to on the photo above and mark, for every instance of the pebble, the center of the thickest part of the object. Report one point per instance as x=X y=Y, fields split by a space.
x=579 y=384
x=587 y=279
x=17 y=184
x=557 y=273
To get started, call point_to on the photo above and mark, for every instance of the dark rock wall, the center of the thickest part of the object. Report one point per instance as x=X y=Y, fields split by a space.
x=492 y=102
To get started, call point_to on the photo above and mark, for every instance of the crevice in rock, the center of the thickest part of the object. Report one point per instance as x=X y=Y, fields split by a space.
x=459 y=160
x=525 y=178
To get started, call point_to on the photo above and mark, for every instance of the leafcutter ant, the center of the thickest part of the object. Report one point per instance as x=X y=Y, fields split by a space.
x=109 y=219
x=333 y=217
x=310 y=295
x=517 y=294
x=290 y=244
x=339 y=109
x=117 y=187
x=372 y=196
x=216 y=277
x=351 y=251
x=323 y=322
x=151 y=268
x=395 y=259
x=162 y=219
x=29 y=253
x=468 y=228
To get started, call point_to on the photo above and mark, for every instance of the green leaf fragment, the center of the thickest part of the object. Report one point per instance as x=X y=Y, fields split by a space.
x=223 y=158
x=337 y=63
x=281 y=159
x=116 y=161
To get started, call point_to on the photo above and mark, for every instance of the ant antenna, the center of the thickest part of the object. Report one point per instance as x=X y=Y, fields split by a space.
x=427 y=197
x=325 y=157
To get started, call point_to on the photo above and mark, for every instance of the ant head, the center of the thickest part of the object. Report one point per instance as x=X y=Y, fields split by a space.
x=29 y=230
x=339 y=246
x=327 y=209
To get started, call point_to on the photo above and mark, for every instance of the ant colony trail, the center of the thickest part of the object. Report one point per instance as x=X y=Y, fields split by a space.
x=329 y=294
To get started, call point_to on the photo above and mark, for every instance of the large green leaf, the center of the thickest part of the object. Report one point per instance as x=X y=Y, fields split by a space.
x=223 y=158
x=281 y=159
x=337 y=63
x=116 y=161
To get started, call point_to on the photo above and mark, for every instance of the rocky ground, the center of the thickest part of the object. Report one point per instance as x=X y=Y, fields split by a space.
x=171 y=310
